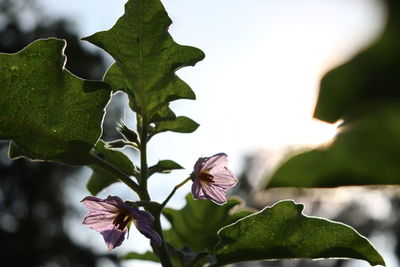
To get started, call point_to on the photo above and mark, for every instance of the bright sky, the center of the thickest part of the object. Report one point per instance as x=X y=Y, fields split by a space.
x=257 y=86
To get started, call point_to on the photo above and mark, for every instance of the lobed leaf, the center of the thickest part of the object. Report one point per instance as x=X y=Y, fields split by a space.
x=283 y=232
x=47 y=112
x=101 y=179
x=197 y=223
x=146 y=59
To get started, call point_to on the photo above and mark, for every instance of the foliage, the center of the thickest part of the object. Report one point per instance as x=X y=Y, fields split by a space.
x=146 y=60
x=47 y=112
x=283 y=232
x=50 y=114
x=364 y=94
x=194 y=220
x=101 y=179
x=32 y=206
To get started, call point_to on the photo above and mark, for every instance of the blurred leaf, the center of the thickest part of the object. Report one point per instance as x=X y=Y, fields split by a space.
x=196 y=260
x=365 y=94
x=196 y=225
x=147 y=256
x=181 y=124
x=283 y=232
x=146 y=59
x=101 y=179
x=372 y=76
x=187 y=258
x=164 y=166
x=48 y=113
x=364 y=153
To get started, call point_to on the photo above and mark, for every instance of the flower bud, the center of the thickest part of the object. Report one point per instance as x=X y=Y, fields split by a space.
x=129 y=134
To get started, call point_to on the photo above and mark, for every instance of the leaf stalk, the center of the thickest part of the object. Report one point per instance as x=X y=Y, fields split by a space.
x=119 y=174
x=173 y=191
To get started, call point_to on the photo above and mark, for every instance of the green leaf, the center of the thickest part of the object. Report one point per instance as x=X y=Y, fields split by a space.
x=283 y=232
x=101 y=179
x=364 y=153
x=164 y=166
x=370 y=77
x=365 y=94
x=177 y=257
x=47 y=112
x=146 y=59
x=196 y=225
x=181 y=124
x=186 y=257
x=147 y=256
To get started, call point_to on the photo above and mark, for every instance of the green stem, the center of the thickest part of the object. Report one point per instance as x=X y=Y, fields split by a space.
x=107 y=166
x=173 y=191
x=143 y=157
x=162 y=251
x=147 y=204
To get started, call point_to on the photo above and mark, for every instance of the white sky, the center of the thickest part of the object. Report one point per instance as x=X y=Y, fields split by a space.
x=257 y=86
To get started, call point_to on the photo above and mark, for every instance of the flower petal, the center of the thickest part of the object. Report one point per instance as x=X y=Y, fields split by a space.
x=217 y=161
x=224 y=178
x=148 y=232
x=198 y=166
x=99 y=221
x=101 y=213
x=214 y=193
x=105 y=205
x=143 y=222
x=113 y=237
x=196 y=190
x=217 y=178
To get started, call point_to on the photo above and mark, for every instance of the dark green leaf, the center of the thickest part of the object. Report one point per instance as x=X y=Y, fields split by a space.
x=365 y=94
x=371 y=77
x=147 y=256
x=196 y=225
x=48 y=113
x=146 y=59
x=283 y=232
x=181 y=124
x=178 y=258
x=364 y=153
x=164 y=166
x=187 y=258
x=101 y=179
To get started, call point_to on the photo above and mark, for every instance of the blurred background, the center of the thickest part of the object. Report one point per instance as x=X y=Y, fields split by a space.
x=260 y=99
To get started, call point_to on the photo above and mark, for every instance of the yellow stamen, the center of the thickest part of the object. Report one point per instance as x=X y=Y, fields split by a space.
x=122 y=219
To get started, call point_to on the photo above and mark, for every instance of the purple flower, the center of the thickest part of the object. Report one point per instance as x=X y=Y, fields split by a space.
x=112 y=218
x=211 y=178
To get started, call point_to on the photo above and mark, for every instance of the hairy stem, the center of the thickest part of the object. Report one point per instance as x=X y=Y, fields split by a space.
x=144 y=126
x=161 y=252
